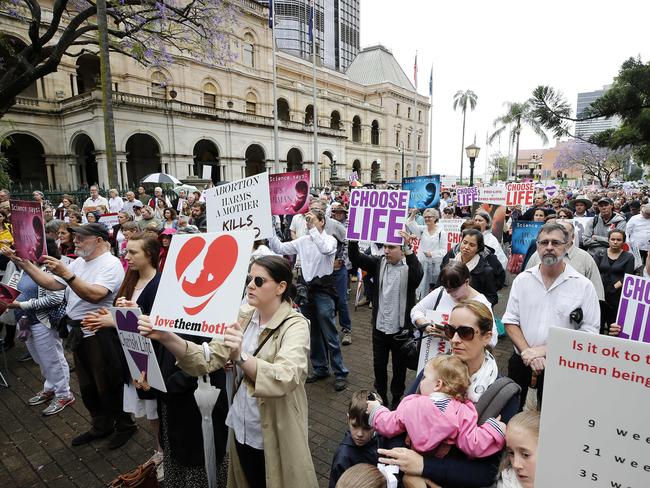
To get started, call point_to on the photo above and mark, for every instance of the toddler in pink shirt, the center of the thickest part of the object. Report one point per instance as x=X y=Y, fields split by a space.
x=440 y=416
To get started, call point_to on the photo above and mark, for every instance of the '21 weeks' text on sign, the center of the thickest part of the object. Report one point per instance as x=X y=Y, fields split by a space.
x=377 y=215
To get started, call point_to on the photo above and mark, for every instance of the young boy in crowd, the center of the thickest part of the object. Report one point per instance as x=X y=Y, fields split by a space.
x=360 y=442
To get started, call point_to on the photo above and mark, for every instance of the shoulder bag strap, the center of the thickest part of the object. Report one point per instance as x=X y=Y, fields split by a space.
x=438 y=299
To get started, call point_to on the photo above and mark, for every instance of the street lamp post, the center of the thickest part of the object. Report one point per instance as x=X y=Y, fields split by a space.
x=401 y=150
x=472 y=153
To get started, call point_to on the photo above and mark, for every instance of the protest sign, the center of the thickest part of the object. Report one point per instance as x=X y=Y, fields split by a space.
x=108 y=220
x=466 y=196
x=433 y=346
x=138 y=350
x=289 y=193
x=202 y=283
x=377 y=215
x=580 y=225
x=523 y=235
x=495 y=195
x=451 y=228
x=448 y=181
x=29 y=229
x=550 y=190
x=242 y=204
x=520 y=194
x=498 y=214
x=634 y=309
x=425 y=191
x=582 y=439
x=354 y=176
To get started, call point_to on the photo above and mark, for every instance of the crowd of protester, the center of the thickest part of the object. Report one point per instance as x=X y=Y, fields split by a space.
x=440 y=434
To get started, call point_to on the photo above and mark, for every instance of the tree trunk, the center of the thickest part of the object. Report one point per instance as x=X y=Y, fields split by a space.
x=517 y=153
x=462 y=147
x=107 y=95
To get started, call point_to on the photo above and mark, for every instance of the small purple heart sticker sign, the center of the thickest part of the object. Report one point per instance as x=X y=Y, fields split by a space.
x=129 y=323
x=550 y=190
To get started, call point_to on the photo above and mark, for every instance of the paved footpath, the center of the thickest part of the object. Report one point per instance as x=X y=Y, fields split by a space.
x=35 y=451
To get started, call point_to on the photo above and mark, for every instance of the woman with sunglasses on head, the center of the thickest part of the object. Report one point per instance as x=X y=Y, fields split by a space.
x=470 y=331
x=268 y=417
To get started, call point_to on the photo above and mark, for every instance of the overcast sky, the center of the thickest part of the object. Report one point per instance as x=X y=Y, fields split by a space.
x=502 y=50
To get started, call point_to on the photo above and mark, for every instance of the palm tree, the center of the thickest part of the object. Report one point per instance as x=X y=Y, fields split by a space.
x=517 y=116
x=463 y=99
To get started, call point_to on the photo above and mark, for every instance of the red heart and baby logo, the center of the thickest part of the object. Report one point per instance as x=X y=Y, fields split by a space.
x=218 y=262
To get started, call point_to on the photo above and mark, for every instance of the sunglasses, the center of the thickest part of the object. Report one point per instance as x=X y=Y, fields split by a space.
x=465 y=332
x=258 y=280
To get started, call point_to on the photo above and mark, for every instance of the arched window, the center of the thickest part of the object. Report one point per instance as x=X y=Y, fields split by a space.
x=335 y=120
x=356 y=129
x=159 y=85
x=356 y=166
x=209 y=95
x=419 y=142
x=248 y=56
x=418 y=170
x=374 y=133
x=284 y=113
x=251 y=103
x=408 y=170
x=397 y=175
x=309 y=115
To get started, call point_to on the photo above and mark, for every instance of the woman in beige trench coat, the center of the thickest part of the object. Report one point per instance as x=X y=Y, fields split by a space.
x=268 y=416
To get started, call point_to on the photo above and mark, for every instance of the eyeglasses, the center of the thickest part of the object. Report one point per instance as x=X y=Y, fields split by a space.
x=465 y=332
x=553 y=243
x=258 y=280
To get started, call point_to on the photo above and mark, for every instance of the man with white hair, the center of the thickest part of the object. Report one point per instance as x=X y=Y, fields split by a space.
x=158 y=195
x=579 y=259
x=130 y=203
x=638 y=231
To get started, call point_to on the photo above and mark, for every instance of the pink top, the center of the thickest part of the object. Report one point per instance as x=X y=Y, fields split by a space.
x=439 y=419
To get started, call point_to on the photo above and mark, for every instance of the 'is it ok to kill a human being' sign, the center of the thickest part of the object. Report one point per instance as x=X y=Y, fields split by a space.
x=377 y=215
x=594 y=428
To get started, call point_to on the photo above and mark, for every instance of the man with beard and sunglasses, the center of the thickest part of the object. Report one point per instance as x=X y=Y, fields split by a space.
x=551 y=294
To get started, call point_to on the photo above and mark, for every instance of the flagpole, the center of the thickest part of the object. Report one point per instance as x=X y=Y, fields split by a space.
x=276 y=151
x=315 y=118
x=431 y=121
x=415 y=109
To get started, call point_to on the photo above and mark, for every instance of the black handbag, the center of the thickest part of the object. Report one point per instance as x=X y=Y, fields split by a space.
x=409 y=350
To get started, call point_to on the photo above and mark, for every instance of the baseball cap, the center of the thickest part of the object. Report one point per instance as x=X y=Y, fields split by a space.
x=93 y=229
x=606 y=200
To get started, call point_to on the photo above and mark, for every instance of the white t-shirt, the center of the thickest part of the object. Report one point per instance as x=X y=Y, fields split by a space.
x=105 y=270
x=95 y=203
x=298 y=225
x=115 y=204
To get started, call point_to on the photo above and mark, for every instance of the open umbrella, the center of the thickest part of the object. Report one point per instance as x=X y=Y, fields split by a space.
x=186 y=187
x=160 y=178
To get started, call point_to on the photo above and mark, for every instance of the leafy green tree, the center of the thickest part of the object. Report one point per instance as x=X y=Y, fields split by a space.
x=498 y=167
x=627 y=99
x=516 y=117
x=152 y=32
x=463 y=100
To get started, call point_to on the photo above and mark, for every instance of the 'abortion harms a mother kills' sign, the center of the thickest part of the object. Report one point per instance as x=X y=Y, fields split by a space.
x=242 y=204
x=634 y=309
x=594 y=428
x=377 y=215
x=202 y=283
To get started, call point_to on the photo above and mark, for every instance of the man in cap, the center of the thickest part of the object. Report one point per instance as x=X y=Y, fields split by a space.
x=638 y=230
x=596 y=236
x=581 y=206
x=91 y=282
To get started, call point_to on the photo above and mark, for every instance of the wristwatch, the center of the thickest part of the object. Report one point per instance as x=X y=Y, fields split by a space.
x=243 y=357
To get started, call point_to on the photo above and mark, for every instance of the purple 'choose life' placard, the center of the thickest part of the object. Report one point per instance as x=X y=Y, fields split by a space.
x=466 y=196
x=634 y=309
x=377 y=215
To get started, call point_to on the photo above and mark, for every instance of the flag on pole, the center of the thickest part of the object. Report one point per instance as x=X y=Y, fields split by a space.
x=311 y=22
x=415 y=70
x=271 y=14
x=431 y=82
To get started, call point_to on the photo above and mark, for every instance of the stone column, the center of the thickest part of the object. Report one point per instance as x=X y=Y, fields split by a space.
x=102 y=168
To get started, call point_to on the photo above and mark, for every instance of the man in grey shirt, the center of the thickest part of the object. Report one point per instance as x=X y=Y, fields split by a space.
x=397 y=275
